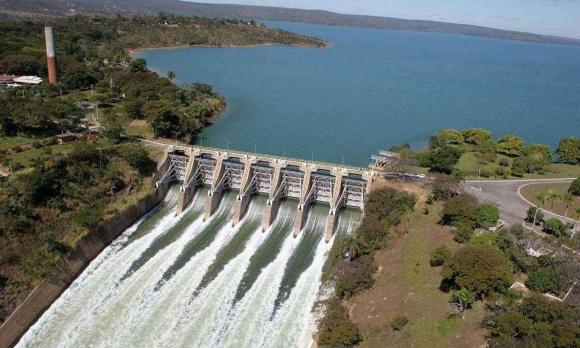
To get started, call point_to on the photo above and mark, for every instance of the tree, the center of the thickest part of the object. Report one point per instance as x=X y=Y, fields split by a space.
x=568 y=199
x=555 y=227
x=463 y=233
x=569 y=150
x=444 y=187
x=354 y=247
x=439 y=255
x=487 y=215
x=350 y=277
x=138 y=65
x=511 y=145
x=388 y=205
x=535 y=215
x=575 y=187
x=461 y=209
x=170 y=75
x=442 y=159
x=520 y=166
x=549 y=278
x=372 y=234
x=335 y=329
x=552 y=197
x=481 y=270
x=476 y=136
x=538 y=157
x=462 y=300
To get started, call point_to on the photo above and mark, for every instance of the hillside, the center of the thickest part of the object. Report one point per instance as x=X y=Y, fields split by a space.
x=271 y=13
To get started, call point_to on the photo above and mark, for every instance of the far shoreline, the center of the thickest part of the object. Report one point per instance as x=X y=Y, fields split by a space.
x=133 y=51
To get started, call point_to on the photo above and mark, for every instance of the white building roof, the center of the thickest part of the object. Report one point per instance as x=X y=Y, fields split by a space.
x=32 y=80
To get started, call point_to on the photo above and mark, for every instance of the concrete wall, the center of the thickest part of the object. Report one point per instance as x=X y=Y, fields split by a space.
x=50 y=289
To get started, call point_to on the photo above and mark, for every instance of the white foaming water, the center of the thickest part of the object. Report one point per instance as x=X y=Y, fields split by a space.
x=203 y=316
x=105 y=308
x=293 y=323
x=158 y=309
x=96 y=281
x=245 y=326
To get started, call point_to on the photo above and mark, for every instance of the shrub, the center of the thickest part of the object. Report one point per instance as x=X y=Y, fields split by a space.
x=487 y=215
x=444 y=187
x=372 y=234
x=555 y=227
x=399 y=322
x=461 y=209
x=569 y=150
x=504 y=162
x=335 y=329
x=532 y=212
x=463 y=233
x=439 y=255
x=547 y=279
x=511 y=145
x=537 y=322
x=389 y=205
x=353 y=276
x=485 y=172
x=138 y=158
x=476 y=136
x=442 y=159
x=478 y=269
x=575 y=187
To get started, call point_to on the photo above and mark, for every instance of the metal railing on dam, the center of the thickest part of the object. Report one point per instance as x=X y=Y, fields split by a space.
x=277 y=177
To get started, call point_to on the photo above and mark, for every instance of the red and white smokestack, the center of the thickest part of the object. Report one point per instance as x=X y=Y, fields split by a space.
x=50 y=55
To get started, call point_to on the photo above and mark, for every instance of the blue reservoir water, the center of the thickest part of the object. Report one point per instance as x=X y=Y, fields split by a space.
x=374 y=88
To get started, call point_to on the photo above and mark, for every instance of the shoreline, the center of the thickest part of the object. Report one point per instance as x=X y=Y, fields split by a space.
x=133 y=51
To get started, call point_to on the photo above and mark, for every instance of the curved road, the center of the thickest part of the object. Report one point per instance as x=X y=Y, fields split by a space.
x=505 y=194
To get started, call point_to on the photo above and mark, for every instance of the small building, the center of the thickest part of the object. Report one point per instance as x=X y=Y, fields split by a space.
x=66 y=138
x=27 y=80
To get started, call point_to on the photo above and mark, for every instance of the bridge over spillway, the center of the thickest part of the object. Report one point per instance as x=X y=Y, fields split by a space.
x=279 y=178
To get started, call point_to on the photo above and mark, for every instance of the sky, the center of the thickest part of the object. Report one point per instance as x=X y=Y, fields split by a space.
x=552 y=17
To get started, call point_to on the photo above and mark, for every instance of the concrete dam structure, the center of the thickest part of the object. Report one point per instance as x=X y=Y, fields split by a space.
x=278 y=178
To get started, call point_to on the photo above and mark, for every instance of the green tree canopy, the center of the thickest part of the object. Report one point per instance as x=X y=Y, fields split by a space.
x=476 y=136
x=461 y=209
x=569 y=150
x=478 y=269
x=575 y=187
x=511 y=145
x=487 y=215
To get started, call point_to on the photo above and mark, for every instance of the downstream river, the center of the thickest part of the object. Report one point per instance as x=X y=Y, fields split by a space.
x=371 y=89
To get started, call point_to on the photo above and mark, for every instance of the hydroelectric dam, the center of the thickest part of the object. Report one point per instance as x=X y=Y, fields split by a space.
x=249 y=174
x=232 y=257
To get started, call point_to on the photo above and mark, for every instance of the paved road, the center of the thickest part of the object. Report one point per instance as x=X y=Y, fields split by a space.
x=504 y=193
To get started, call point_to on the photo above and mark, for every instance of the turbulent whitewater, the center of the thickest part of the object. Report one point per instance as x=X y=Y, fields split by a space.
x=179 y=281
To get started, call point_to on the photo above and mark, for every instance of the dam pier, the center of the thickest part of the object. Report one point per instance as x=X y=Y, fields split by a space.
x=251 y=174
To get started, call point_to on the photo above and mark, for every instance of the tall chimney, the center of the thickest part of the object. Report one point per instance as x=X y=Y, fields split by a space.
x=50 y=55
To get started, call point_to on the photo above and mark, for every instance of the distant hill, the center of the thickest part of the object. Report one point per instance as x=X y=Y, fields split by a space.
x=270 y=13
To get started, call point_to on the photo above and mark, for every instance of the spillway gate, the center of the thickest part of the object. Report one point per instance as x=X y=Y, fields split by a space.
x=279 y=178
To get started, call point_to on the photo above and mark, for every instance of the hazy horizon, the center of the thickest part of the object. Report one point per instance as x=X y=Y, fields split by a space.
x=550 y=17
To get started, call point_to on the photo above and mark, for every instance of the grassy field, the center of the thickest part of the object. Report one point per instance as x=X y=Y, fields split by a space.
x=470 y=164
x=558 y=206
x=10 y=142
x=407 y=285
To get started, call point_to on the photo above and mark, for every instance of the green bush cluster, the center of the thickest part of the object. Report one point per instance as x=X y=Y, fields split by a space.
x=536 y=322
x=440 y=255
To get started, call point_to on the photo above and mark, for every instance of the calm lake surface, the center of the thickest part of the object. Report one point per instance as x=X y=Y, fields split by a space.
x=371 y=89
